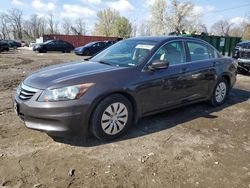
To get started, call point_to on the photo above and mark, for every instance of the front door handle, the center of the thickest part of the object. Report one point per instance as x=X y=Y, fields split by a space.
x=215 y=63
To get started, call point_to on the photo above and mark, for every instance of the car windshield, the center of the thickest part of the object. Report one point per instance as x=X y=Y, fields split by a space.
x=125 y=53
x=90 y=44
x=47 y=42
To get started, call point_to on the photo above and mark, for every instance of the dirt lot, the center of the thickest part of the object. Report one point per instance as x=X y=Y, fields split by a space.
x=195 y=146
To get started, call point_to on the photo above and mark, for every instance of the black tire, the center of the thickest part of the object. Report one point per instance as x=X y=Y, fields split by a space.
x=87 y=53
x=42 y=51
x=214 y=101
x=97 y=121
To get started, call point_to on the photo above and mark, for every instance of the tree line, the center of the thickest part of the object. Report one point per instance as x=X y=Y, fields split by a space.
x=175 y=17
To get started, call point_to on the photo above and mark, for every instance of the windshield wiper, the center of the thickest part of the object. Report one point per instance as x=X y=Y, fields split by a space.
x=103 y=62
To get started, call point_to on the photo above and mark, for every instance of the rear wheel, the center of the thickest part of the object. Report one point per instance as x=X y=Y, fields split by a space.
x=112 y=117
x=220 y=92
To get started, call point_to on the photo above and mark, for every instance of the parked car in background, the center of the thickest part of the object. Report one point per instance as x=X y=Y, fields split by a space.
x=4 y=46
x=131 y=79
x=32 y=43
x=54 y=45
x=34 y=46
x=14 y=44
x=242 y=54
x=24 y=44
x=93 y=48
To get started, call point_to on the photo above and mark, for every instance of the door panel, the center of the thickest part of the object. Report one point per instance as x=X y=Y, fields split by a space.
x=202 y=71
x=168 y=87
x=51 y=46
x=203 y=76
x=164 y=88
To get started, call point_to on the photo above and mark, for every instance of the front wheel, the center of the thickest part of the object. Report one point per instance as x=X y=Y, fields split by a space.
x=87 y=53
x=112 y=117
x=220 y=92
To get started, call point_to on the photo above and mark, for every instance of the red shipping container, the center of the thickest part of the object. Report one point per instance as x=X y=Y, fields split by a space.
x=79 y=40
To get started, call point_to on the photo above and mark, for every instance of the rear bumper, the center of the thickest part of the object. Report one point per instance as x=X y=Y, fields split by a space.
x=68 y=118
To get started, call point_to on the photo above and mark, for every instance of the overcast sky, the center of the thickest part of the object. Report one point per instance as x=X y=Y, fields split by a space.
x=135 y=11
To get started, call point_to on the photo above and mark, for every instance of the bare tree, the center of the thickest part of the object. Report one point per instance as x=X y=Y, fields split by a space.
x=15 y=17
x=222 y=27
x=238 y=30
x=79 y=27
x=42 y=26
x=66 y=26
x=144 y=29
x=177 y=17
x=158 y=20
x=34 y=27
x=181 y=15
x=4 y=27
x=134 y=30
x=52 y=24
x=246 y=34
x=203 y=28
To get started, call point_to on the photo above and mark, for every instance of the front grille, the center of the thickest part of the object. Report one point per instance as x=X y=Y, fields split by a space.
x=27 y=92
x=244 y=54
x=246 y=47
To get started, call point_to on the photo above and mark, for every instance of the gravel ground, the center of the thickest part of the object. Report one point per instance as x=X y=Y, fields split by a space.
x=194 y=146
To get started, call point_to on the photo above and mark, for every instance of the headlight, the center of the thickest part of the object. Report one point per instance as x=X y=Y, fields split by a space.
x=65 y=93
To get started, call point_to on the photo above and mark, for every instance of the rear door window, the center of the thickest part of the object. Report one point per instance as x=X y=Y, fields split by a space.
x=199 y=52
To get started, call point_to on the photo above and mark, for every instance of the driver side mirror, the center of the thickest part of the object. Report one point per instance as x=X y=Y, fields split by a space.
x=158 y=64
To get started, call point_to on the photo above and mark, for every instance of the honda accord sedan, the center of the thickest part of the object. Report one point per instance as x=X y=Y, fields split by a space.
x=133 y=78
x=54 y=45
x=93 y=48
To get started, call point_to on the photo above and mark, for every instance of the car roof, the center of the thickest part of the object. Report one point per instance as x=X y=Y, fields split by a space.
x=163 y=38
x=244 y=42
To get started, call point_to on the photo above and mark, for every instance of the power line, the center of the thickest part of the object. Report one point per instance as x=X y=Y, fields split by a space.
x=232 y=8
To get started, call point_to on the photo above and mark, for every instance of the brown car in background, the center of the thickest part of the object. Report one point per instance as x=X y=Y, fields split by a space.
x=131 y=79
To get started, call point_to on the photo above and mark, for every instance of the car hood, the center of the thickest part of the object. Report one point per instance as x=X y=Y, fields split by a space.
x=38 y=45
x=80 y=48
x=68 y=73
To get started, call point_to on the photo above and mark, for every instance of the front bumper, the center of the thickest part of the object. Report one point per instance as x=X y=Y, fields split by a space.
x=244 y=64
x=245 y=61
x=64 y=118
x=78 y=52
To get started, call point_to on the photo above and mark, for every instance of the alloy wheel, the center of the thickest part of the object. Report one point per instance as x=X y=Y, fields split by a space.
x=114 y=118
x=220 y=92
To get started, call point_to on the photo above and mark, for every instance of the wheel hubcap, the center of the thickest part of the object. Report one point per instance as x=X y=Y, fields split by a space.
x=114 y=118
x=220 y=92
